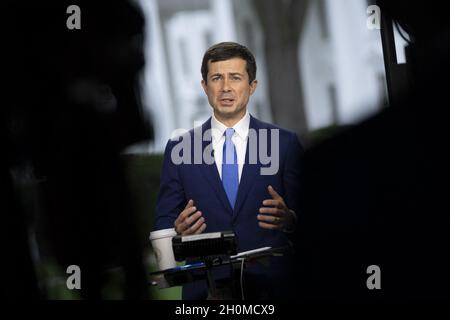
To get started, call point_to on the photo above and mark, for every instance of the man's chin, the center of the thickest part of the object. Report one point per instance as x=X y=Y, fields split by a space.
x=229 y=114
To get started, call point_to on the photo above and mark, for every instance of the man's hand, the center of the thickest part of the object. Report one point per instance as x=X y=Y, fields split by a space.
x=276 y=215
x=190 y=221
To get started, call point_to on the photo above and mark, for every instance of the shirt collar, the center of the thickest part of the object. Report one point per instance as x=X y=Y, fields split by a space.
x=241 y=128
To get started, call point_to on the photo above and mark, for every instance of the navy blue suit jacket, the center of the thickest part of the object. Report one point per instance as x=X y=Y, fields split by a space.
x=202 y=183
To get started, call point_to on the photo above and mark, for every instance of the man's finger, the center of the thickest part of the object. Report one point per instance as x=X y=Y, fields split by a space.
x=189 y=204
x=201 y=229
x=195 y=226
x=273 y=193
x=185 y=214
x=182 y=224
x=271 y=211
x=268 y=226
x=270 y=219
x=186 y=223
x=193 y=218
x=275 y=203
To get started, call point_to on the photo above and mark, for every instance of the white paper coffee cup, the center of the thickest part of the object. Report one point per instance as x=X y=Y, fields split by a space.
x=162 y=247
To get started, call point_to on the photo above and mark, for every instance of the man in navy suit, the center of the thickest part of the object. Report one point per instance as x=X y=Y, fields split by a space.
x=233 y=173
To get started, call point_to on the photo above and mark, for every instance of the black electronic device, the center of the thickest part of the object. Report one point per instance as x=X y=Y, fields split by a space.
x=204 y=245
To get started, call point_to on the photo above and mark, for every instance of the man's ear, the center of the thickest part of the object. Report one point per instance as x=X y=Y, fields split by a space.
x=253 y=86
x=204 y=85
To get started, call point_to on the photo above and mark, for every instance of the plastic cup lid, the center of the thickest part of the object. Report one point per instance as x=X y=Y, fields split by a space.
x=163 y=233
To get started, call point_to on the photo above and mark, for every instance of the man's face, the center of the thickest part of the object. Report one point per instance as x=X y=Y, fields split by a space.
x=228 y=89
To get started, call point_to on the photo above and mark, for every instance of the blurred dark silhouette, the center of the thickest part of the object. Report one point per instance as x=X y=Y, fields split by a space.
x=377 y=194
x=73 y=108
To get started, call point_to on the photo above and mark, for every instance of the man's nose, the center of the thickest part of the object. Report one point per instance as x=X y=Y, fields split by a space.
x=226 y=85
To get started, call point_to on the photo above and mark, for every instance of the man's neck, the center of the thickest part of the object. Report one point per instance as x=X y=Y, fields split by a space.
x=229 y=122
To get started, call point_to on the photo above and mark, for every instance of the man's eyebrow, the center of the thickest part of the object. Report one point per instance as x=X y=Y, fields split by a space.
x=230 y=73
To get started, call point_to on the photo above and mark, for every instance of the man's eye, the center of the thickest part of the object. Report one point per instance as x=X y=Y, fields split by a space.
x=236 y=78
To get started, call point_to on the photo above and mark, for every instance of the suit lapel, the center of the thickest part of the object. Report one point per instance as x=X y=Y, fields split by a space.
x=249 y=173
x=210 y=172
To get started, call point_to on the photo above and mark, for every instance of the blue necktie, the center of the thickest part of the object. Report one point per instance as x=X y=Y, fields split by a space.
x=230 y=169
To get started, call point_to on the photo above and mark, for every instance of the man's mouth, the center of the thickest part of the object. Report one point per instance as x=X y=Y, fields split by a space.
x=227 y=101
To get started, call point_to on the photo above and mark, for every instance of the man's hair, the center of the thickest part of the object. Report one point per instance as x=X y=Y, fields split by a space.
x=229 y=50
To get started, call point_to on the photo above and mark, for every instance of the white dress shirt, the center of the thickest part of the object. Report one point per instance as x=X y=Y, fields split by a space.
x=239 y=139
